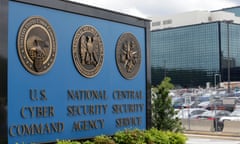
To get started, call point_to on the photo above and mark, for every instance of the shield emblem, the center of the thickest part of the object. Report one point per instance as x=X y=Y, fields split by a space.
x=38 y=61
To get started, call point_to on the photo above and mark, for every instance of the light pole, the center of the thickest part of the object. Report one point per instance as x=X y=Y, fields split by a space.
x=228 y=55
x=165 y=72
x=215 y=79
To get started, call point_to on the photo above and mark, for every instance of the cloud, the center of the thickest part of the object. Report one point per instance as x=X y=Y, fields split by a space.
x=169 y=7
x=135 y=12
x=150 y=8
x=123 y=6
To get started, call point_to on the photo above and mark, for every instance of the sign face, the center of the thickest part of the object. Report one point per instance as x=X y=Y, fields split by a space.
x=73 y=76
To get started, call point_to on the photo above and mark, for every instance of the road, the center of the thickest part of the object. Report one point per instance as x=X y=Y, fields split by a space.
x=200 y=139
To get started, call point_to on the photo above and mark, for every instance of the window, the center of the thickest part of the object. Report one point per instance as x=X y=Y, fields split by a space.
x=158 y=23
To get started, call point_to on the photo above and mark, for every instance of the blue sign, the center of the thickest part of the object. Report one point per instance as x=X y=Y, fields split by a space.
x=54 y=90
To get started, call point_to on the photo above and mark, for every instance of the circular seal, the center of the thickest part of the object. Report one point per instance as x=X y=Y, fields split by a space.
x=88 y=51
x=36 y=45
x=128 y=55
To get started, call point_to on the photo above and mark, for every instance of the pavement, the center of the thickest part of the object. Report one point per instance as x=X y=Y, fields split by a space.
x=210 y=140
x=223 y=135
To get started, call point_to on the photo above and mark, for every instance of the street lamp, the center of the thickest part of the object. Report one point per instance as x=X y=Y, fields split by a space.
x=228 y=54
x=165 y=72
x=215 y=79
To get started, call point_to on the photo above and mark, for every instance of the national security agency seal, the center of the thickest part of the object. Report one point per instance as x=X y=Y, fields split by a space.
x=36 y=45
x=128 y=55
x=88 y=51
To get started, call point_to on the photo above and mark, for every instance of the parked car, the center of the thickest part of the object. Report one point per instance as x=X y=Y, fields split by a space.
x=215 y=115
x=234 y=116
x=204 y=104
x=190 y=113
x=216 y=104
x=191 y=104
x=203 y=98
x=230 y=103
x=237 y=106
x=177 y=102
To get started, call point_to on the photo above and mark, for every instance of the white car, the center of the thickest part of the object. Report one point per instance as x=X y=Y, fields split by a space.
x=234 y=116
x=190 y=113
x=204 y=104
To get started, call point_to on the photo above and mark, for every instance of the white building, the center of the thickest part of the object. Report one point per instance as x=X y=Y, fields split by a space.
x=191 y=18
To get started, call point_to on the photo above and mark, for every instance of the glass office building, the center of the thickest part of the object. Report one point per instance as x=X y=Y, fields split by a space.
x=193 y=55
x=235 y=10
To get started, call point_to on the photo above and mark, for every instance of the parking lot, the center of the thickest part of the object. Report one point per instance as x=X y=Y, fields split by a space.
x=207 y=109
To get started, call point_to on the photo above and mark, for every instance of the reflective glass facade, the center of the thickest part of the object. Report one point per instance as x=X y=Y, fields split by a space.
x=194 y=55
x=235 y=10
x=233 y=49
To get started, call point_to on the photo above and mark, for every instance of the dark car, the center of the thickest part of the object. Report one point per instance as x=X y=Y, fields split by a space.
x=230 y=103
x=178 y=102
x=216 y=104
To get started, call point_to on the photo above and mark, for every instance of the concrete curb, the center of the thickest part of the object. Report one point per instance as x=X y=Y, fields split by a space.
x=221 y=135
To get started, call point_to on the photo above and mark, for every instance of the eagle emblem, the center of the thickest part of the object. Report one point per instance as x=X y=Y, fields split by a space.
x=88 y=51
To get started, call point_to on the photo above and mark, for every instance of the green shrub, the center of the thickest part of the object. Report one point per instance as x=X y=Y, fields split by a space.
x=154 y=136
x=67 y=142
x=176 y=138
x=103 y=140
x=87 y=142
x=136 y=136
x=163 y=113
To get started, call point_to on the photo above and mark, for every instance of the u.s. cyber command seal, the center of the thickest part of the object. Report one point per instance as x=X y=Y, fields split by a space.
x=36 y=45
x=128 y=55
x=88 y=51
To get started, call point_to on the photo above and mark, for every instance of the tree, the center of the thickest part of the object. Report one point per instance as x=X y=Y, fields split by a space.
x=163 y=113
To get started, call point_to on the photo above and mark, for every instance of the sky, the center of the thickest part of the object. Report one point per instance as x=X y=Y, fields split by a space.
x=153 y=8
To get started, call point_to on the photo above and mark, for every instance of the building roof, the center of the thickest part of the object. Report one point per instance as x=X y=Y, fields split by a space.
x=224 y=9
x=191 y=18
